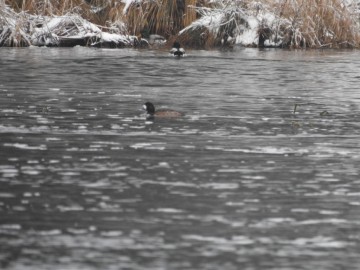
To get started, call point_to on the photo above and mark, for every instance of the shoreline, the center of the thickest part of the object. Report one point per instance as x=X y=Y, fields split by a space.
x=213 y=25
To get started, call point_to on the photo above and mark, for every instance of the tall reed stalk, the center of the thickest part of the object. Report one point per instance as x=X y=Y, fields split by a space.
x=164 y=17
x=320 y=23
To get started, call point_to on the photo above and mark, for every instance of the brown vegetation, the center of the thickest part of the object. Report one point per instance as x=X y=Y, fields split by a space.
x=320 y=23
x=13 y=28
x=164 y=17
x=297 y=23
x=47 y=7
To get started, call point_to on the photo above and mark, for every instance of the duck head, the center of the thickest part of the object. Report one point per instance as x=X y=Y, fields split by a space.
x=149 y=108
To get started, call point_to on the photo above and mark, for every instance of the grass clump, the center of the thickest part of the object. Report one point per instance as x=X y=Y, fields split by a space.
x=317 y=24
x=163 y=17
x=14 y=28
x=220 y=22
x=48 y=8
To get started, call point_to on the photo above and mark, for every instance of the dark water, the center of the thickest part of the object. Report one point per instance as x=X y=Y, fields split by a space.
x=239 y=182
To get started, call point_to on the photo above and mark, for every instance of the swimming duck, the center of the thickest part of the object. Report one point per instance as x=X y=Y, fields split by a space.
x=177 y=50
x=150 y=109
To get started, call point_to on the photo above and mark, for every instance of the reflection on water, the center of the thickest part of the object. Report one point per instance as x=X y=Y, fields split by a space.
x=244 y=180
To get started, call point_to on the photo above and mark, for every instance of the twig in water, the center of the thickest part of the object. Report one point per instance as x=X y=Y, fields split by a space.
x=295 y=106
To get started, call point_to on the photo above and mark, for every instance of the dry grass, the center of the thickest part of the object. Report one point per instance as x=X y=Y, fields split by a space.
x=298 y=23
x=107 y=12
x=318 y=23
x=220 y=20
x=164 y=17
x=199 y=38
x=99 y=12
x=14 y=28
x=51 y=7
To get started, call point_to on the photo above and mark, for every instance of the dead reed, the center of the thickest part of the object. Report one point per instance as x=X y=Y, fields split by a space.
x=219 y=21
x=318 y=24
x=14 y=28
x=163 y=17
x=297 y=23
x=47 y=8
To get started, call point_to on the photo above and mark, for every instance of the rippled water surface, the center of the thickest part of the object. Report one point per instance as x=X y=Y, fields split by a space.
x=262 y=172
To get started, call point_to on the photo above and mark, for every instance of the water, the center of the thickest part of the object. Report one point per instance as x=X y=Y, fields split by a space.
x=239 y=182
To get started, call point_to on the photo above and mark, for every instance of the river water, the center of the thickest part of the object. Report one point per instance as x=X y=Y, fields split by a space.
x=262 y=171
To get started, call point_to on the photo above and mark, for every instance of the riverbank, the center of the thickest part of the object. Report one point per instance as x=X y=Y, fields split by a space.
x=195 y=23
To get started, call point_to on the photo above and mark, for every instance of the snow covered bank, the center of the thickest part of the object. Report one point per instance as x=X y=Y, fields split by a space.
x=22 y=29
x=276 y=23
x=71 y=30
x=257 y=23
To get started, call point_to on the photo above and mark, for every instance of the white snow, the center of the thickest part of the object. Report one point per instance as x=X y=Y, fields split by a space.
x=128 y=4
x=250 y=35
x=212 y=21
x=108 y=37
x=73 y=26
